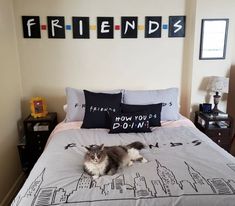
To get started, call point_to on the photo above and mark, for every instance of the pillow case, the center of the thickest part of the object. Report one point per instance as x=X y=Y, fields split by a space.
x=168 y=98
x=76 y=103
x=97 y=107
x=154 y=112
x=65 y=108
x=129 y=122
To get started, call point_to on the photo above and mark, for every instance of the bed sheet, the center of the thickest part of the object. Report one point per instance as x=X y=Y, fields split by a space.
x=184 y=168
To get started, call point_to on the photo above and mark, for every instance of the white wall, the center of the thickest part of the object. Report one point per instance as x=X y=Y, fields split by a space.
x=205 y=68
x=231 y=96
x=10 y=90
x=49 y=65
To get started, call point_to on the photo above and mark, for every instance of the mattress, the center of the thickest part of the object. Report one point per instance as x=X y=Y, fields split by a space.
x=184 y=168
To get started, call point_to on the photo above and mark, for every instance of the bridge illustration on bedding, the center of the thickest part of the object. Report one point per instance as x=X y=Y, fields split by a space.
x=165 y=185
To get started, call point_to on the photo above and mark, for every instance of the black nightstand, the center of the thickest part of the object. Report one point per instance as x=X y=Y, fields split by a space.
x=218 y=128
x=37 y=131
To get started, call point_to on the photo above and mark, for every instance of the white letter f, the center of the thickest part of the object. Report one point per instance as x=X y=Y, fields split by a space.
x=29 y=24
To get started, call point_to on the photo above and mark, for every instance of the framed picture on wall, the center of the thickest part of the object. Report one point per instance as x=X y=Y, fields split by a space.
x=213 y=39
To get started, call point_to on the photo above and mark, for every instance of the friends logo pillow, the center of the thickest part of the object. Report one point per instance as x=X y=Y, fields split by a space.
x=97 y=106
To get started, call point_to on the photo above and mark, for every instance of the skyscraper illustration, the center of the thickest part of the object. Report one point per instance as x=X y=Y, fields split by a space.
x=169 y=182
x=140 y=187
x=162 y=182
x=30 y=194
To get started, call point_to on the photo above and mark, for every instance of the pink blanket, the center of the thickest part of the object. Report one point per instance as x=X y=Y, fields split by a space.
x=183 y=121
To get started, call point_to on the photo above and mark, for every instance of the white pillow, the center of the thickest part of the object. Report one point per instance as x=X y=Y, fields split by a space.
x=169 y=98
x=65 y=108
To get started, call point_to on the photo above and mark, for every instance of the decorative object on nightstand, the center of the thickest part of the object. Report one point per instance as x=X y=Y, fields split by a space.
x=217 y=85
x=218 y=128
x=37 y=131
x=38 y=107
x=205 y=107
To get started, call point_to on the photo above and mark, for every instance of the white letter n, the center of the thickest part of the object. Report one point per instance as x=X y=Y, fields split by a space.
x=129 y=24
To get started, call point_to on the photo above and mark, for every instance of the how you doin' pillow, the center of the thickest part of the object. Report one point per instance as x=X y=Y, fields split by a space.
x=129 y=122
x=153 y=111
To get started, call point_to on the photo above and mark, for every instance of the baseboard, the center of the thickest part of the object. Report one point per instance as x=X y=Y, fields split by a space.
x=14 y=189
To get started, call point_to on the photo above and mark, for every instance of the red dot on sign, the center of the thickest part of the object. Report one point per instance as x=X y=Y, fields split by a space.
x=117 y=27
x=43 y=27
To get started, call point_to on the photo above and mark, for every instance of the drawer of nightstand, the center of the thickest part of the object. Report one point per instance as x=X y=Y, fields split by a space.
x=38 y=138
x=222 y=141
x=218 y=133
x=37 y=149
x=34 y=153
x=220 y=137
x=39 y=134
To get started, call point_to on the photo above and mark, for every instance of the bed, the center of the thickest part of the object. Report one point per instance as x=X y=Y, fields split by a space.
x=184 y=167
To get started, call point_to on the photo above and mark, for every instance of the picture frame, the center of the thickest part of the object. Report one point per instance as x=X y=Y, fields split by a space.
x=38 y=107
x=213 y=40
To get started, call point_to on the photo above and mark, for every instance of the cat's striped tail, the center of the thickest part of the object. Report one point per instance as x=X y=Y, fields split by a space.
x=136 y=145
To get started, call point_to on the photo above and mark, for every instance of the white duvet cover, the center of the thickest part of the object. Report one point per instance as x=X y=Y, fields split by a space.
x=184 y=168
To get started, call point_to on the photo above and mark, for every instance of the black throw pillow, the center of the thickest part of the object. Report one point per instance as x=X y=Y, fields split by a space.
x=97 y=105
x=154 y=111
x=129 y=122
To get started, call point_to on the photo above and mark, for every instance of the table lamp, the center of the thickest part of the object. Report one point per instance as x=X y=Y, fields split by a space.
x=217 y=85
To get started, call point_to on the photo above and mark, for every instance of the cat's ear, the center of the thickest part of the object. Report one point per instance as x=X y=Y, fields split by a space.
x=87 y=148
x=102 y=147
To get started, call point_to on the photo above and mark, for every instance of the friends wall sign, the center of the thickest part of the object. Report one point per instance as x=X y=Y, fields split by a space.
x=105 y=27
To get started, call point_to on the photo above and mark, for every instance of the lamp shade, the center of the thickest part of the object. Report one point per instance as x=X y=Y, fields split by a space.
x=218 y=84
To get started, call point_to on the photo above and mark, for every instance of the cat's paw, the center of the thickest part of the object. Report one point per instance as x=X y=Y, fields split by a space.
x=112 y=172
x=144 y=160
x=130 y=163
x=95 y=177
